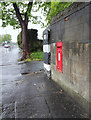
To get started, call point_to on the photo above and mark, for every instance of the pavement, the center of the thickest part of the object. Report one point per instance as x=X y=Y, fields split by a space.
x=28 y=93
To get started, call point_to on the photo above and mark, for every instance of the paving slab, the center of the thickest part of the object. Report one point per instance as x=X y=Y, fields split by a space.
x=28 y=93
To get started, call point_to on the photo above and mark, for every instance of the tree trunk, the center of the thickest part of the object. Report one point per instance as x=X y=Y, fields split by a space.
x=26 y=53
x=24 y=24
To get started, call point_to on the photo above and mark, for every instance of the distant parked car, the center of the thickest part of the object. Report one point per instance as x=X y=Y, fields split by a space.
x=6 y=46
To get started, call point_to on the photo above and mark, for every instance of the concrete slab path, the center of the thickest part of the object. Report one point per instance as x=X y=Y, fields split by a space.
x=28 y=93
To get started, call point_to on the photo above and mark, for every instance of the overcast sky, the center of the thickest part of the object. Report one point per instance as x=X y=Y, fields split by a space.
x=9 y=29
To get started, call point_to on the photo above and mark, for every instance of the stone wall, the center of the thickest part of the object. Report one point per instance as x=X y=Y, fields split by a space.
x=72 y=26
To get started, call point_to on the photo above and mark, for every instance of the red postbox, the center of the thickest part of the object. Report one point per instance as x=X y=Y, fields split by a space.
x=59 y=57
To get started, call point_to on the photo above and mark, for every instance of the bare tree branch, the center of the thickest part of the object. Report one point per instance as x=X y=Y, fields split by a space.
x=28 y=11
x=18 y=13
x=30 y=6
x=26 y=18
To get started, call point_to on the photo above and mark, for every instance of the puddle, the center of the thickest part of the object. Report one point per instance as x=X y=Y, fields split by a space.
x=6 y=65
x=3 y=84
x=27 y=73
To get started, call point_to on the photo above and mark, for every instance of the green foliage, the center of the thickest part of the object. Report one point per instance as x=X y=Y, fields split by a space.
x=1 y=39
x=19 y=40
x=34 y=56
x=8 y=14
x=49 y=10
x=37 y=55
x=27 y=60
x=56 y=7
x=45 y=10
x=0 y=14
x=33 y=42
x=6 y=37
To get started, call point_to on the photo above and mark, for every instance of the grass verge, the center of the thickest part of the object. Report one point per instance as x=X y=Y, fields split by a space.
x=34 y=56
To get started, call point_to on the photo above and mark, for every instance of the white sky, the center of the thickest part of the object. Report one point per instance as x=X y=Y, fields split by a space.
x=14 y=32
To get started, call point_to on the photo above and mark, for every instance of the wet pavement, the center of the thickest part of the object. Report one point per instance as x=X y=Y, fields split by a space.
x=28 y=93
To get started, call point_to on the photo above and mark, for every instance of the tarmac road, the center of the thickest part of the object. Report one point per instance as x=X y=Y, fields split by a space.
x=26 y=92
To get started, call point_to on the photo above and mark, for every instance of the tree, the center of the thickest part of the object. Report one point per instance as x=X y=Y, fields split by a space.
x=18 y=14
x=0 y=13
x=24 y=23
x=11 y=10
x=34 y=43
x=0 y=39
x=5 y=38
x=51 y=9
